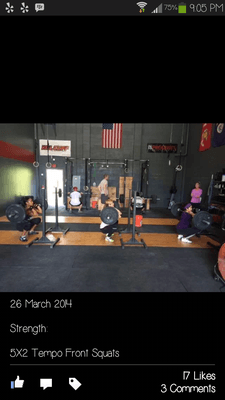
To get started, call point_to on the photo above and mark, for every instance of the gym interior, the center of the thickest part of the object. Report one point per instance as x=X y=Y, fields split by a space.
x=69 y=253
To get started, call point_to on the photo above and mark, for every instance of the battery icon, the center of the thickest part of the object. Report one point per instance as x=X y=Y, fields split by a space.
x=182 y=8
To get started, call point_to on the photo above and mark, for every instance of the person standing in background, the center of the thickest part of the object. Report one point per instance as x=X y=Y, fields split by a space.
x=196 y=194
x=103 y=188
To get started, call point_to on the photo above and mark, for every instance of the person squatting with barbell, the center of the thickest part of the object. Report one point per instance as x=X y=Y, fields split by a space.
x=140 y=203
x=184 y=228
x=110 y=229
x=31 y=221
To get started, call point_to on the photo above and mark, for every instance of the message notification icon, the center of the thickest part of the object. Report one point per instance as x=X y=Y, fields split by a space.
x=45 y=383
x=74 y=383
x=39 y=7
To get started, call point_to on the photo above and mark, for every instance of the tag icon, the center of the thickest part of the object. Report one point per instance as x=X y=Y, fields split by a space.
x=74 y=383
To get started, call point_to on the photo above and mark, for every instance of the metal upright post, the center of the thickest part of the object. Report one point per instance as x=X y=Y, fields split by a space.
x=44 y=238
x=57 y=228
x=133 y=241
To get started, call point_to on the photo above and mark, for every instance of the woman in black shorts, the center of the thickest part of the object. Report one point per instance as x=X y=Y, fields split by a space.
x=31 y=221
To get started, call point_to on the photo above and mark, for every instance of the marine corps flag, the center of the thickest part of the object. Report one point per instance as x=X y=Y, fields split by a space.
x=205 y=142
x=219 y=135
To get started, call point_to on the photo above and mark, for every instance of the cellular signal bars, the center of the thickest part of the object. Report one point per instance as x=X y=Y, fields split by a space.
x=157 y=10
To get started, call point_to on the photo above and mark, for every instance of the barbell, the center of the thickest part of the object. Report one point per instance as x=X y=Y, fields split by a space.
x=16 y=212
x=109 y=215
x=202 y=219
x=154 y=198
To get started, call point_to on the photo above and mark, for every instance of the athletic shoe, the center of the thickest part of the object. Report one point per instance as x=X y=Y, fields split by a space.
x=23 y=238
x=185 y=240
x=33 y=233
x=108 y=239
x=180 y=237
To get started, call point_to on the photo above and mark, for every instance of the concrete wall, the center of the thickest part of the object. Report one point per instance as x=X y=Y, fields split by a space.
x=86 y=142
x=201 y=165
x=17 y=175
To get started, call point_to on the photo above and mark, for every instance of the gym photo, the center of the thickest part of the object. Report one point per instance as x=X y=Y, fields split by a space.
x=112 y=207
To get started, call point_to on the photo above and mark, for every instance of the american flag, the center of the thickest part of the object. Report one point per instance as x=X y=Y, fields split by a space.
x=112 y=136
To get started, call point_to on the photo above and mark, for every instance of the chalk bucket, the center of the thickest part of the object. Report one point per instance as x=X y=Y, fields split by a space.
x=138 y=221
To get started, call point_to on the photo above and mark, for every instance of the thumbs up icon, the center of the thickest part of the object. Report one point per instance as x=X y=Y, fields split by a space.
x=18 y=383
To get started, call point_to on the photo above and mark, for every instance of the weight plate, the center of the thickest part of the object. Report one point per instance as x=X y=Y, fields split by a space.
x=153 y=198
x=176 y=209
x=221 y=261
x=109 y=215
x=15 y=213
x=202 y=220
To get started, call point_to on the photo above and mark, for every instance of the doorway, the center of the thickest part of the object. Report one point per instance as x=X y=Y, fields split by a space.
x=54 y=179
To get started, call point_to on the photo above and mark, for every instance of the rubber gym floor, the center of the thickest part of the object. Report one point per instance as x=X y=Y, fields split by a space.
x=83 y=262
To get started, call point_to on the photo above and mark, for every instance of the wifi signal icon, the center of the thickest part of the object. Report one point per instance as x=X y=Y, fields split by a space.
x=142 y=5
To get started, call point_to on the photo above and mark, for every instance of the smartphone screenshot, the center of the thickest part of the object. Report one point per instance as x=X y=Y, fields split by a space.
x=112 y=234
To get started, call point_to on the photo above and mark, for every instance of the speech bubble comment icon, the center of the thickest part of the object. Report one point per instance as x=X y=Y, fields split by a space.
x=74 y=383
x=45 y=383
x=39 y=7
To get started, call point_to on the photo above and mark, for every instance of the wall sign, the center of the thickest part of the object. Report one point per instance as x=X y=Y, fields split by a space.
x=161 y=148
x=61 y=148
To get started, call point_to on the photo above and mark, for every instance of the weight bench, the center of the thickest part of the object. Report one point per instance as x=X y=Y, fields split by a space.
x=69 y=207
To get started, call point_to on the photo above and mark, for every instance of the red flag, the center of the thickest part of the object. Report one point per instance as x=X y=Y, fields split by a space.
x=206 y=135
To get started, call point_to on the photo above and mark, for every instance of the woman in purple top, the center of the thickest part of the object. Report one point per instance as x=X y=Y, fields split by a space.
x=184 y=228
x=196 y=194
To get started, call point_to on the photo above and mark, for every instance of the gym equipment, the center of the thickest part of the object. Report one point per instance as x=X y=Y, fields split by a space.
x=15 y=213
x=173 y=189
x=202 y=219
x=133 y=241
x=36 y=163
x=109 y=215
x=138 y=221
x=145 y=177
x=44 y=239
x=154 y=198
x=176 y=209
x=219 y=267
x=221 y=261
x=57 y=228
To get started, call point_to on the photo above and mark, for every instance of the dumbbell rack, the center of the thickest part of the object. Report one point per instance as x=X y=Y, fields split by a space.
x=133 y=241
x=44 y=239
